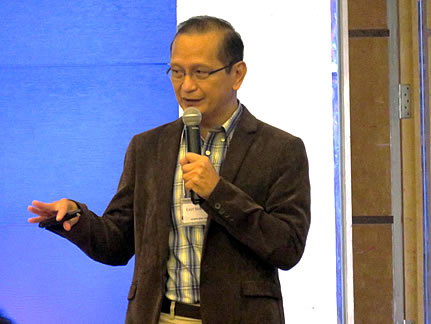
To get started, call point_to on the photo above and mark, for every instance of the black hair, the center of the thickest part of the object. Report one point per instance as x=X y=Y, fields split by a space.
x=232 y=47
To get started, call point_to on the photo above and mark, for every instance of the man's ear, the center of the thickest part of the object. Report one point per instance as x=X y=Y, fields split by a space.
x=239 y=71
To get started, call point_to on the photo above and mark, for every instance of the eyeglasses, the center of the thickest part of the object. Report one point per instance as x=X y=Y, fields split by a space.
x=198 y=74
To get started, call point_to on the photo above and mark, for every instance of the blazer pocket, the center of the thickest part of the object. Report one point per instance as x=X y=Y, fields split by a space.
x=260 y=289
x=132 y=291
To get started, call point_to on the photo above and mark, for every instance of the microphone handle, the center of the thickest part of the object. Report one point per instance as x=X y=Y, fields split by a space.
x=194 y=146
x=194 y=139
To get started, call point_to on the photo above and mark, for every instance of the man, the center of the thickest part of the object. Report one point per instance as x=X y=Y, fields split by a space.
x=255 y=212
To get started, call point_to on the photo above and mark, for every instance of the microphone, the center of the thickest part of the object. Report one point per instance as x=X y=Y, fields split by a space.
x=192 y=118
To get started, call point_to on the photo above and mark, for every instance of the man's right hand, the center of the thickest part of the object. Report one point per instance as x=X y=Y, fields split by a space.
x=55 y=209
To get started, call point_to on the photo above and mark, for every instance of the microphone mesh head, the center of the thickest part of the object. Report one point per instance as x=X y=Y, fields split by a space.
x=192 y=116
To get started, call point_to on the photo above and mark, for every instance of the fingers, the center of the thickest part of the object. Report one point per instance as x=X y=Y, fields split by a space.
x=67 y=225
x=190 y=158
x=35 y=220
x=42 y=210
x=199 y=174
x=42 y=205
x=194 y=165
x=55 y=209
x=62 y=208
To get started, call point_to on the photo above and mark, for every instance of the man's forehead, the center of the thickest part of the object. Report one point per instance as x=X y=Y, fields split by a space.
x=196 y=38
x=192 y=46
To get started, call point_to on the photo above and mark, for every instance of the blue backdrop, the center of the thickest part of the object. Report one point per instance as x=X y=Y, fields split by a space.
x=77 y=80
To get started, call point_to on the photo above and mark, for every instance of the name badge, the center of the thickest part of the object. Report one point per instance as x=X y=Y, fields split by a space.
x=192 y=214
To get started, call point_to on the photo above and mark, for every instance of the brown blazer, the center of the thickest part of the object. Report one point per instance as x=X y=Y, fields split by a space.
x=258 y=220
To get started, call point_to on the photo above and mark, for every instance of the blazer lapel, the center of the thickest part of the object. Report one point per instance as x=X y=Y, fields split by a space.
x=167 y=152
x=241 y=141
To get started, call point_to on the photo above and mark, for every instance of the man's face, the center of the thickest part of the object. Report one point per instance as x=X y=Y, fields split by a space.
x=215 y=96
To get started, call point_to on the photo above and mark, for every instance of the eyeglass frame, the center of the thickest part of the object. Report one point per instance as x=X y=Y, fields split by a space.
x=209 y=73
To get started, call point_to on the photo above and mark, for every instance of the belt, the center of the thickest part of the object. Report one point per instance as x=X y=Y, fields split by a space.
x=181 y=309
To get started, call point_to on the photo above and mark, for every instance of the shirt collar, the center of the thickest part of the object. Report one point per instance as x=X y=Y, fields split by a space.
x=230 y=124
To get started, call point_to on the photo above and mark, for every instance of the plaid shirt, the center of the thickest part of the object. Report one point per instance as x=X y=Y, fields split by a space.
x=185 y=242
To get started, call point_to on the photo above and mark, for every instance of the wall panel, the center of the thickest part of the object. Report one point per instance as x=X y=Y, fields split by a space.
x=370 y=113
x=367 y=14
x=373 y=273
x=371 y=169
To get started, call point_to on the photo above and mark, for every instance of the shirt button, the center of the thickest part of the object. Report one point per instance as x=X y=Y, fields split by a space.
x=208 y=153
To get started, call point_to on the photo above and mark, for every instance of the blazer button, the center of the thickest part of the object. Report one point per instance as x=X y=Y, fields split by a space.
x=217 y=206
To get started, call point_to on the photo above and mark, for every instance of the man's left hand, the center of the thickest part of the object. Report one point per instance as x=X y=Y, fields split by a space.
x=199 y=174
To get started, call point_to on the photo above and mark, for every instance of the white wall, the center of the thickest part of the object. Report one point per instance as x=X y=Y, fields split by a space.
x=288 y=53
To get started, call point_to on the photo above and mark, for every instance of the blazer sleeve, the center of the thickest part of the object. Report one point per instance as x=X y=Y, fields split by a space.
x=277 y=228
x=108 y=239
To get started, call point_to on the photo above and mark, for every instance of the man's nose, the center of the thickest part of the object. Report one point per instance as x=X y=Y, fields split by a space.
x=188 y=83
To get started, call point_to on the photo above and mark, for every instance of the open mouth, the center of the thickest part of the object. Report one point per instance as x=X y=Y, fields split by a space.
x=191 y=102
